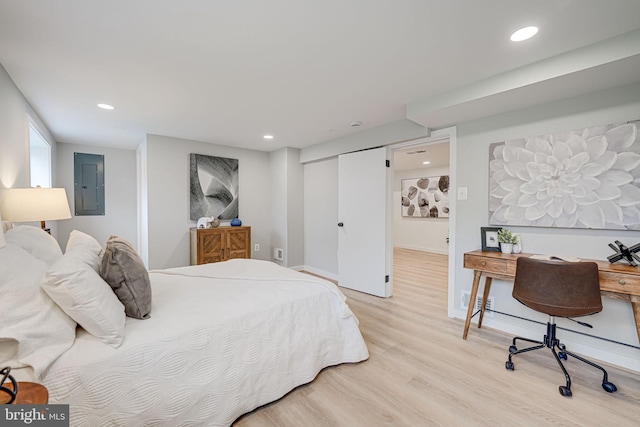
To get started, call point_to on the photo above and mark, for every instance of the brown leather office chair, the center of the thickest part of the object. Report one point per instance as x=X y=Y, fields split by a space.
x=559 y=289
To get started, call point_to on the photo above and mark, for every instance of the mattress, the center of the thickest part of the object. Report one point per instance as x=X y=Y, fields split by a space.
x=222 y=340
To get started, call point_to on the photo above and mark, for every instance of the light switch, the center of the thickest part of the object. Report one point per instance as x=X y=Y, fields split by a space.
x=462 y=193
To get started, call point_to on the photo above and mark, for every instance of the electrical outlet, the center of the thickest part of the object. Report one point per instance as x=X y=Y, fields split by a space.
x=278 y=254
x=256 y=247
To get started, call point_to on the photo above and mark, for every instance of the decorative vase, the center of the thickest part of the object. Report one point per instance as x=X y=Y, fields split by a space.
x=236 y=222
x=517 y=247
x=506 y=248
x=214 y=223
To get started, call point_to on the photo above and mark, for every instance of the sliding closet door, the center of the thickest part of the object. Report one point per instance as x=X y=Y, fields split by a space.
x=363 y=259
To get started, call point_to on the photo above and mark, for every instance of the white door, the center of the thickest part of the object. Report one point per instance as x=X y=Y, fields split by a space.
x=363 y=259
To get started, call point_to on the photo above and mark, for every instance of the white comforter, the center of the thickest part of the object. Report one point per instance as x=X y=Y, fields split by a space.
x=222 y=340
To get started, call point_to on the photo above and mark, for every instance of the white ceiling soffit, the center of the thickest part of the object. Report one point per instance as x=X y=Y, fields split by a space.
x=610 y=63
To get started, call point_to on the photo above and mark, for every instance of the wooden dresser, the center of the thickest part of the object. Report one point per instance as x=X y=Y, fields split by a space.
x=219 y=244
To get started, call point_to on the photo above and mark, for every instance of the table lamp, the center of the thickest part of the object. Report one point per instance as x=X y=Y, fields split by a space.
x=36 y=204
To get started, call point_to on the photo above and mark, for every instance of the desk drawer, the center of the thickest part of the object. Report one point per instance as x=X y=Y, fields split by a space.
x=489 y=265
x=623 y=283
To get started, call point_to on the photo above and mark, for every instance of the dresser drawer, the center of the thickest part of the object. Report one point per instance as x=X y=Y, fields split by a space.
x=488 y=265
x=616 y=282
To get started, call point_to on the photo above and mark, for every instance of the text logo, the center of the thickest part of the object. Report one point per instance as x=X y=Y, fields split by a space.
x=34 y=415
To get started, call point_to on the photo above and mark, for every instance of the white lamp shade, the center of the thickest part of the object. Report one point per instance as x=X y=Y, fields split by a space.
x=35 y=204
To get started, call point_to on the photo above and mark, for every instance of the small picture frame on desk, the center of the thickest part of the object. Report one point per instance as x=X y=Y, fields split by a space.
x=490 y=238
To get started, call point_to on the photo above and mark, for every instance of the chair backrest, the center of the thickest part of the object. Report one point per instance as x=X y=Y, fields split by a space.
x=558 y=288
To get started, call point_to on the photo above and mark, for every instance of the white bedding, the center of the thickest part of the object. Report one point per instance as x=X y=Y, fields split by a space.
x=222 y=340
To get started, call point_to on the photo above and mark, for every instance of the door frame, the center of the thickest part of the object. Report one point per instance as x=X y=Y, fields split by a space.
x=435 y=137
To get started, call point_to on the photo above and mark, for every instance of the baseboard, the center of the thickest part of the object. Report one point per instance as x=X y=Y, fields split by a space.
x=297 y=267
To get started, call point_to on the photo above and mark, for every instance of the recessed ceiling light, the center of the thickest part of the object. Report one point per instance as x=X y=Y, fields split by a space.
x=425 y=163
x=524 y=34
x=268 y=137
x=106 y=106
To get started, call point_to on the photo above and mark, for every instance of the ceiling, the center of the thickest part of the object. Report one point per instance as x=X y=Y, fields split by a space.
x=228 y=72
x=413 y=157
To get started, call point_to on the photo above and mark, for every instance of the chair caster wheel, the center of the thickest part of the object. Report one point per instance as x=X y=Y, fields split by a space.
x=562 y=355
x=509 y=365
x=513 y=349
x=609 y=387
x=565 y=391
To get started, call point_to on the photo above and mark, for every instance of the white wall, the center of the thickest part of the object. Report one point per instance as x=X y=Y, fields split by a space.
x=295 y=209
x=278 y=204
x=423 y=234
x=120 y=194
x=321 y=217
x=168 y=220
x=287 y=206
x=14 y=139
x=14 y=134
x=142 y=182
x=616 y=320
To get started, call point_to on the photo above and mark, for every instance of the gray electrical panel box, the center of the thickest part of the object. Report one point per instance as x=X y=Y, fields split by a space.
x=88 y=172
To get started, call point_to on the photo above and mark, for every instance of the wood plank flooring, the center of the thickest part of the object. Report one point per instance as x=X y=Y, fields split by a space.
x=422 y=373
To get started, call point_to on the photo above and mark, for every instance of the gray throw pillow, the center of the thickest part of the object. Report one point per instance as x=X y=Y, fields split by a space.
x=125 y=272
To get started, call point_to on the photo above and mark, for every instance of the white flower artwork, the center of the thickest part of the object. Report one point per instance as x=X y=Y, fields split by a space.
x=587 y=178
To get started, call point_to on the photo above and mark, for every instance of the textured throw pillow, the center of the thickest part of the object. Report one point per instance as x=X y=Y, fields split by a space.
x=34 y=331
x=123 y=269
x=36 y=241
x=75 y=285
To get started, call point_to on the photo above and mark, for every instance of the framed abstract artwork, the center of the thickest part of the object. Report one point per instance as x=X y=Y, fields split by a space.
x=213 y=187
x=425 y=197
x=584 y=178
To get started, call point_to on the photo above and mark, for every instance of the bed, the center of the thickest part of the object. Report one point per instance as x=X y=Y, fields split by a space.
x=220 y=340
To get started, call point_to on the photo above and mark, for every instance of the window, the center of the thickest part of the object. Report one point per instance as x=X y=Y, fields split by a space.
x=39 y=158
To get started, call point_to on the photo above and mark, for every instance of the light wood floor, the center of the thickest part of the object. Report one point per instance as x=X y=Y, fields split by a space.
x=421 y=373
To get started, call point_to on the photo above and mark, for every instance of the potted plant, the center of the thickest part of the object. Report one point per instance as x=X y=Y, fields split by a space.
x=507 y=239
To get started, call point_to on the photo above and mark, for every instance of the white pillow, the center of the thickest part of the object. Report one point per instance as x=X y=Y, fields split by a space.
x=34 y=331
x=87 y=247
x=36 y=241
x=2 y=240
x=78 y=289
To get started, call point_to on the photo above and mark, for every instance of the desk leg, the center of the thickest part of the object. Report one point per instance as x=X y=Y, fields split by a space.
x=472 y=297
x=635 y=305
x=485 y=296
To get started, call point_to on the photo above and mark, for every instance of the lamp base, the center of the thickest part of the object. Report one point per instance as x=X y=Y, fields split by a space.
x=44 y=227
